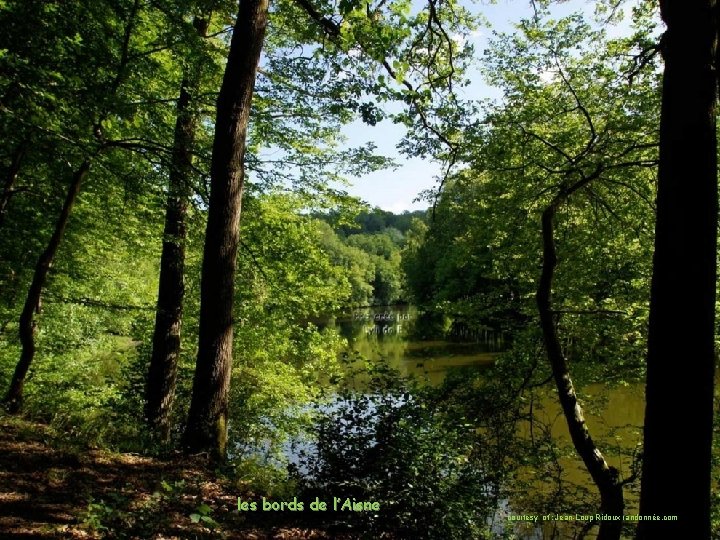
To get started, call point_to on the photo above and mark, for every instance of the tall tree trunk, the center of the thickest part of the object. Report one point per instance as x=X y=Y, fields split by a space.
x=207 y=420
x=681 y=355
x=162 y=374
x=10 y=179
x=605 y=477
x=14 y=396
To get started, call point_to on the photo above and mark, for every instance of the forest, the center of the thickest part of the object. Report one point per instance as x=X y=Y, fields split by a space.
x=206 y=333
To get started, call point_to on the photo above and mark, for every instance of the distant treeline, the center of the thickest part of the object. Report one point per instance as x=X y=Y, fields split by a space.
x=373 y=220
x=370 y=247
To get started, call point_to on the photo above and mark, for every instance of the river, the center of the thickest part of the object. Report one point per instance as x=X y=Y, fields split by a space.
x=415 y=344
x=426 y=348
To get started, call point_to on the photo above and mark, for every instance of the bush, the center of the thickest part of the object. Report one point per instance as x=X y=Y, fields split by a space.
x=395 y=447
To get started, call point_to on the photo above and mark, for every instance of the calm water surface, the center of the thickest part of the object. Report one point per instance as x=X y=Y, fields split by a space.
x=427 y=347
x=414 y=343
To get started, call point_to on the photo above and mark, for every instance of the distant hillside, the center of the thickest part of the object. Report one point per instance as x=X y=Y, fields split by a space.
x=374 y=220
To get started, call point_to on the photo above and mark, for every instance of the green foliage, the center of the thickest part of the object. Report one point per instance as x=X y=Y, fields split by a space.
x=574 y=106
x=100 y=80
x=202 y=515
x=275 y=379
x=358 y=268
x=120 y=515
x=375 y=220
x=371 y=255
x=396 y=446
x=111 y=517
x=568 y=111
x=97 y=514
x=265 y=477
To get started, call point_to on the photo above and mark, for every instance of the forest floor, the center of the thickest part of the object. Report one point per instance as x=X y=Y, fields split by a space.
x=51 y=489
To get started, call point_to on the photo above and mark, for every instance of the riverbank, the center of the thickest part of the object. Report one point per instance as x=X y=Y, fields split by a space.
x=52 y=488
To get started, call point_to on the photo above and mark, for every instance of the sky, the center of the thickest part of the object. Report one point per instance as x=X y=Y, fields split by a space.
x=397 y=190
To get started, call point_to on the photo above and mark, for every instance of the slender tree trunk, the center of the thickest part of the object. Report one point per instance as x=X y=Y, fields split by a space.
x=681 y=355
x=207 y=420
x=14 y=396
x=605 y=477
x=162 y=374
x=10 y=179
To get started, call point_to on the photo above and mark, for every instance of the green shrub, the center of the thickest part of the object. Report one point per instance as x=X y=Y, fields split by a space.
x=395 y=447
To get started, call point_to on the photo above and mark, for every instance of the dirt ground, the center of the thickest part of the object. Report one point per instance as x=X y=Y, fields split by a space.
x=51 y=490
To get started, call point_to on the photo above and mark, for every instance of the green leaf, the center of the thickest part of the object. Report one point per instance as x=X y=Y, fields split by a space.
x=204 y=509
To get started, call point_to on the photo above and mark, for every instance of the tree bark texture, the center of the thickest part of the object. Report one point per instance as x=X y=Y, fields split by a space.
x=162 y=374
x=13 y=398
x=605 y=477
x=681 y=355
x=207 y=420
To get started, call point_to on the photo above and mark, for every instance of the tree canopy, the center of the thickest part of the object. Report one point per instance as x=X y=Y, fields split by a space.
x=182 y=266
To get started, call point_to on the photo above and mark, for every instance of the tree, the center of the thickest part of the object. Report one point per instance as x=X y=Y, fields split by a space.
x=376 y=40
x=677 y=451
x=207 y=419
x=613 y=149
x=102 y=107
x=570 y=150
x=162 y=374
x=13 y=397
x=606 y=478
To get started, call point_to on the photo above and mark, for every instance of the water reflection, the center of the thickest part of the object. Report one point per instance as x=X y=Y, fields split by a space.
x=614 y=416
x=427 y=345
x=417 y=344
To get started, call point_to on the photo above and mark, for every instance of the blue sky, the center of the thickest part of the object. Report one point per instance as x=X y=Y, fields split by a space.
x=396 y=190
